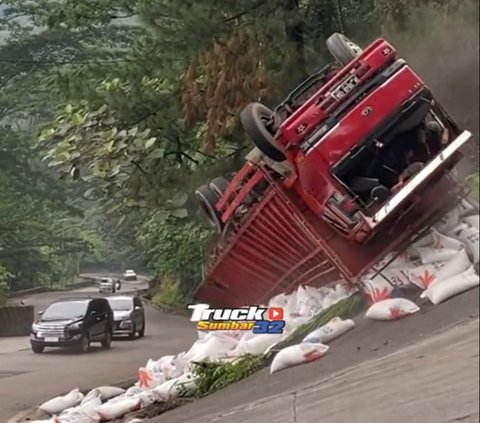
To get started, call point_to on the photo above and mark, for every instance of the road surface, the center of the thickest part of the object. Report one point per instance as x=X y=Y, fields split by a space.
x=423 y=369
x=27 y=379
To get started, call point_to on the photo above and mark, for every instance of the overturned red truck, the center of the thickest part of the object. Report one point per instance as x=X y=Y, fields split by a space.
x=354 y=164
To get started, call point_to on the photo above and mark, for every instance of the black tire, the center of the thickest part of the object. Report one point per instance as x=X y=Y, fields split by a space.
x=141 y=332
x=107 y=341
x=342 y=49
x=38 y=348
x=84 y=344
x=253 y=118
x=207 y=200
x=219 y=185
x=133 y=333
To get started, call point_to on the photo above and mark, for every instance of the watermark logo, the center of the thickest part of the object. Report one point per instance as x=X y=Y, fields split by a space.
x=257 y=319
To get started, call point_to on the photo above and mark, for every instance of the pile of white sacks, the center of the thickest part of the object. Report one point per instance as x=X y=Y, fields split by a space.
x=441 y=264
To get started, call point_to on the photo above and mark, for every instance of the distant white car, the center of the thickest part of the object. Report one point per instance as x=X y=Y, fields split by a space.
x=129 y=275
x=107 y=285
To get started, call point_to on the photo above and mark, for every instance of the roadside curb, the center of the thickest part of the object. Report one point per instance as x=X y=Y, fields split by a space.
x=27 y=415
x=179 y=311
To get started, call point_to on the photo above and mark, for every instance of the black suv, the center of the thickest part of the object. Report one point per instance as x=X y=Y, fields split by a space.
x=73 y=322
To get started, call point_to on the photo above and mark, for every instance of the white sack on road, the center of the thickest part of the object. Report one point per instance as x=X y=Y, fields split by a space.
x=391 y=309
x=173 y=388
x=331 y=330
x=465 y=208
x=148 y=379
x=297 y=354
x=469 y=235
x=147 y=398
x=91 y=396
x=256 y=345
x=58 y=404
x=448 y=221
x=472 y=221
x=113 y=409
x=423 y=276
x=447 y=288
x=428 y=255
x=107 y=392
x=77 y=416
x=212 y=348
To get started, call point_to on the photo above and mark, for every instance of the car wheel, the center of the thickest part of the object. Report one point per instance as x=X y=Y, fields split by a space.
x=342 y=49
x=141 y=332
x=38 y=348
x=254 y=118
x=84 y=344
x=207 y=200
x=133 y=332
x=107 y=341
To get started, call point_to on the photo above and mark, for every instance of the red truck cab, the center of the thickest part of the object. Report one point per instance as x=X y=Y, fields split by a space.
x=352 y=165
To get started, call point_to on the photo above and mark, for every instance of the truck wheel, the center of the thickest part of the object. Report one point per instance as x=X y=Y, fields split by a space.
x=207 y=199
x=254 y=118
x=342 y=49
x=219 y=185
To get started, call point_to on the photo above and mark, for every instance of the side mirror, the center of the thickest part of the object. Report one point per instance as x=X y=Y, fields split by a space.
x=40 y=312
x=92 y=313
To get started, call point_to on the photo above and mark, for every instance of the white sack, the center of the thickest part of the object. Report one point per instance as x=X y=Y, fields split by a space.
x=77 y=416
x=469 y=235
x=428 y=255
x=256 y=345
x=331 y=330
x=391 y=309
x=440 y=241
x=113 y=409
x=58 y=404
x=465 y=208
x=337 y=294
x=376 y=290
x=448 y=221
x=185 y=385
x=425 y=275
x=107 y=392
x=472 y=221
x=134 y=390
x=447 y=288
x=297 y=354
x=214 y=347
x=147 y=398
x=91 y=396
x=163 y=391
x=147 y=379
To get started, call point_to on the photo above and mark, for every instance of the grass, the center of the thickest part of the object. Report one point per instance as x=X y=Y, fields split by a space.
x=169 y=294
x=214 y=376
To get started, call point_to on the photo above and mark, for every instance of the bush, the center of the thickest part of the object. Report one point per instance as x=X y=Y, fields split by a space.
x=169 y=293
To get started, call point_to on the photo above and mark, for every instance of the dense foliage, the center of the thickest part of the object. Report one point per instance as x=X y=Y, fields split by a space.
x=113 y=111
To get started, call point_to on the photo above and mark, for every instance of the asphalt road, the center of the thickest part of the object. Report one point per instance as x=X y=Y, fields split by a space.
x=422 y=369
x=27 y=379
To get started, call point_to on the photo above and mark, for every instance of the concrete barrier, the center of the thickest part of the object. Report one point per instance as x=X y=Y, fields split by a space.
x=39 y=289
x=16 y=320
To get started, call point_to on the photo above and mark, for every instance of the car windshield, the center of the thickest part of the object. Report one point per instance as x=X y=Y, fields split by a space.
x=120 y=303
x=65 y=310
